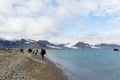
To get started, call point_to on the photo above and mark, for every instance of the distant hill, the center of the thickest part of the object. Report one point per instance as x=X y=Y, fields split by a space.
x=23 y=43
x=29 y=44
x=104 y=45
x=81 y=45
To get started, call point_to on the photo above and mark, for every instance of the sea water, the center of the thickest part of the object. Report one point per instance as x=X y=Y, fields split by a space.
x=87 y=64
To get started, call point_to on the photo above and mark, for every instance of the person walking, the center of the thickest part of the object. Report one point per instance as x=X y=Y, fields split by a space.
x=29 y=50
x=35 y=51
x=21 y=50
x=43 y=52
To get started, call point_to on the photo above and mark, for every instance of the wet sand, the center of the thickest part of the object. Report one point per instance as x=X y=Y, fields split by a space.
x=26 y=66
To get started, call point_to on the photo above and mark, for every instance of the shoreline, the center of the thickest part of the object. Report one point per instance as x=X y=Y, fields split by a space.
x=15 y=65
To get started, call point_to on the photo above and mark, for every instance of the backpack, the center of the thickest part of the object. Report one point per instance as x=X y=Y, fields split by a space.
x=43 y=52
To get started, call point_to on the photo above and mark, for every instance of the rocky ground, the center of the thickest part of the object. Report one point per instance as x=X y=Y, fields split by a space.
x=26 y=66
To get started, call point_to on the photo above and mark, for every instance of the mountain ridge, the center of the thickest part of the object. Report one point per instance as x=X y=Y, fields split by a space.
x=23 y=43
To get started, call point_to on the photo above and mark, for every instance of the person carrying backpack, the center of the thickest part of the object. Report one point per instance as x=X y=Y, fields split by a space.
x=35 y=51
x=43 y=52
x=21 y=50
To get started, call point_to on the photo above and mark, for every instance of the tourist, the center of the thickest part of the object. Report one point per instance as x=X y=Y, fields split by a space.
x=35 y=51
x=29 y=50
x=43 y=52
x=21 y=50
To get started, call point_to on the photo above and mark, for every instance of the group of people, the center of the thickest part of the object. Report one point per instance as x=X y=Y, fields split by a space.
x=35 y=52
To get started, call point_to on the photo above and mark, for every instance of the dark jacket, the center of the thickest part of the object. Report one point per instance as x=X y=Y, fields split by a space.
x=43 y=51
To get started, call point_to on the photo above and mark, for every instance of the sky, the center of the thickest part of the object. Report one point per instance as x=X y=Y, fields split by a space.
x=61 y=21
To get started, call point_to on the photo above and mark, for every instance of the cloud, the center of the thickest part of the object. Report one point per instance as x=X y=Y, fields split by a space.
x=39 y=19
x=77 y=7
x=91 y=38
x=94 y=7
x=50 y=7
x=61 y=14
x=27 y=19
x=115 y=20
x=107 y=7
x=41 y=27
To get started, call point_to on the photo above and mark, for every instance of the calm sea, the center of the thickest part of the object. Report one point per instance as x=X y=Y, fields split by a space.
x=87 y=64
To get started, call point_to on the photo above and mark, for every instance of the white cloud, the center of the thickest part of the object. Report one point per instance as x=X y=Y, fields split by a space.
x=18 y=20
x=115 y=20
x=77 y=7
x=61 y=13
x=86 y=7
x=91 y=38
x=38 y=19
x=73 y=7
x=107 y=7
x=41 y=27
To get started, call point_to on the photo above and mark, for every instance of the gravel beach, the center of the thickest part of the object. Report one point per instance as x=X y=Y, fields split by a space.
x=26 y=66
